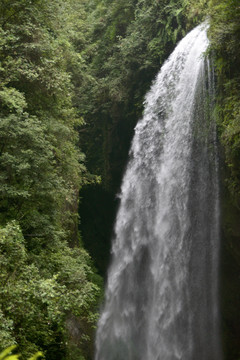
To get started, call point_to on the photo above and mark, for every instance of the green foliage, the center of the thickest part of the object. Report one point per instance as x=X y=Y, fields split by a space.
x=142 y=33
x=7 y=354
x=39 y=292
x=225 y=36
x=44 y=283
x=41 y=165
x=196 y=11
x=127 y=43
x=129 y=40
x=73 y=75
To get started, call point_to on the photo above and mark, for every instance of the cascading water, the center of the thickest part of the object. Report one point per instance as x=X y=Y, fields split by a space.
x=161 y=297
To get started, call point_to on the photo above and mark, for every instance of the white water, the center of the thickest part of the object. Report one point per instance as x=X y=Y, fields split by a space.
x=161 y=296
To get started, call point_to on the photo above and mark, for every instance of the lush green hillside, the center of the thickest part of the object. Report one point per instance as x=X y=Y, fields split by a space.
x=49 y=292
x=73 y=75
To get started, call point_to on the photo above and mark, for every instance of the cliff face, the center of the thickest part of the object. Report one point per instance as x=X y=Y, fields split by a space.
x=224 y=35
x=129 y=42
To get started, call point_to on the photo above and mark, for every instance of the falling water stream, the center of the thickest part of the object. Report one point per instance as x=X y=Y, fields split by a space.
x=161 y=298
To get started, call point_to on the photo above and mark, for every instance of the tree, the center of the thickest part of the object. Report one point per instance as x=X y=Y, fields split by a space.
x=45 y=284
x=40 y=293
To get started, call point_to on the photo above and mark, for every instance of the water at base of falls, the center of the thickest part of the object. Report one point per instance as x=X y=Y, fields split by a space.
x=161 y=295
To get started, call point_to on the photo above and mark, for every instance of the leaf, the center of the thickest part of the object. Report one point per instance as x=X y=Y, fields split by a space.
x=178 y=11
x=12 y=357
x=7 y=352
x=37 y=355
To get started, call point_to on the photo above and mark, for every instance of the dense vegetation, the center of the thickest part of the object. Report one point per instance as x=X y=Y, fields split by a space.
x=73 y=75
x=129 y=40
x=8 y=354
x=49 y=291
x=225 y=41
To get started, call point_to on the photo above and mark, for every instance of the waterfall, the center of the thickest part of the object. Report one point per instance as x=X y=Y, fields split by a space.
x=161 y=299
